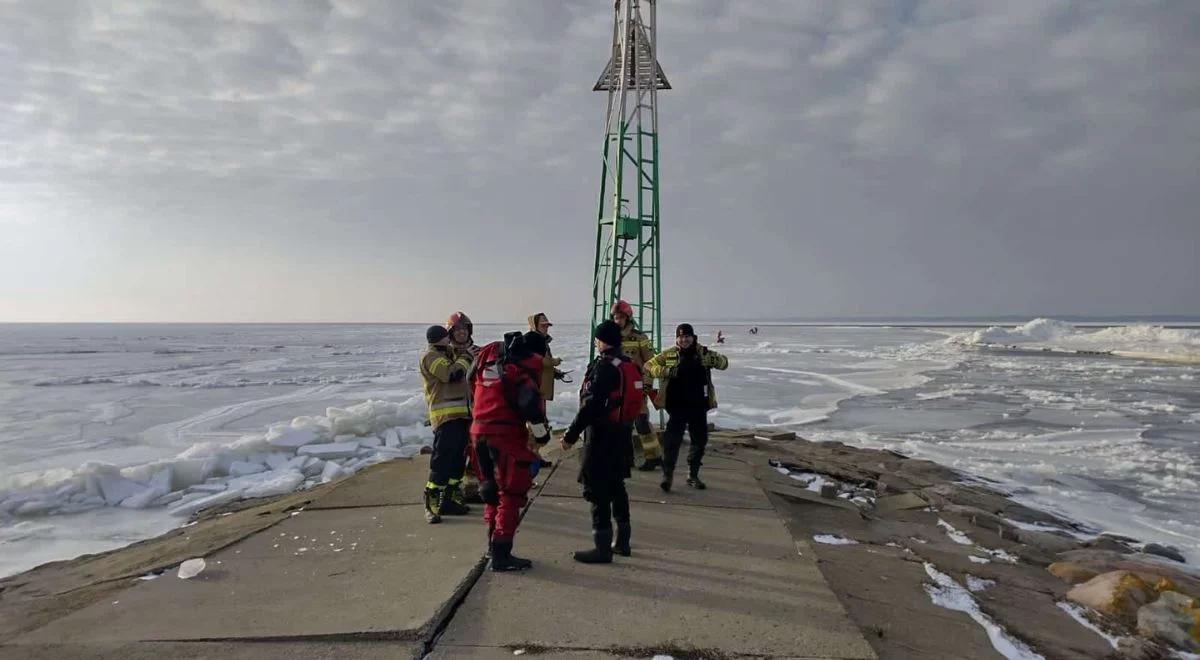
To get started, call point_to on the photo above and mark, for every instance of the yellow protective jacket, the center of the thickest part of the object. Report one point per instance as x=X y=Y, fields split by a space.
x=660 y=366
x=444 y=370
x=636 y=345
x=549 y=365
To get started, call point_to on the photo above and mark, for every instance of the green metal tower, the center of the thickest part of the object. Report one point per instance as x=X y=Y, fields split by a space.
x=627 y=229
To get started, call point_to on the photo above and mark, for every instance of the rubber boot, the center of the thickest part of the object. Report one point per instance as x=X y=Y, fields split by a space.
x=503 y=559
x=649 y=464
x=433 y=503
x=694 y=480
x=490 y=529
x=451 y=502
x=666 y=482
x=621 y=545
x=602 y=553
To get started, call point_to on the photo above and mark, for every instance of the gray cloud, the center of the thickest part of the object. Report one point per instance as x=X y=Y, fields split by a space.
x=372 y=160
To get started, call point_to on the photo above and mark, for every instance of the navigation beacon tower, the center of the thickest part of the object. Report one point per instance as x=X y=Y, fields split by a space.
x=627 y=261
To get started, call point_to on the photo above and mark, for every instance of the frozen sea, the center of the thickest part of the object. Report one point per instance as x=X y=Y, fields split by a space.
x=1110 y=440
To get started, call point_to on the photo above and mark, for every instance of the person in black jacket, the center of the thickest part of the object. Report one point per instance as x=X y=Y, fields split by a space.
x=607 y=449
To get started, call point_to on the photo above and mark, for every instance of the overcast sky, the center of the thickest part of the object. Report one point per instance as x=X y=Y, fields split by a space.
x=383 y=160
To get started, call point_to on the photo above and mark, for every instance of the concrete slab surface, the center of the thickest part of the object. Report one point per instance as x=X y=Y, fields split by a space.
x=394 y=583
x=735 y=489
x=400 y=481
x=702 y=579
x=300 y=650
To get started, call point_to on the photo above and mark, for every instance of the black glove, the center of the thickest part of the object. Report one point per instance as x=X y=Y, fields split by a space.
x=457 y=375
x=489 y=493
x=541 y=433
x=672 y=372
x=571 y=436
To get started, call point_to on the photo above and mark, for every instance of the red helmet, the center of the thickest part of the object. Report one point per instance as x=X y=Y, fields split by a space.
x=459 y=318
x=621 y=307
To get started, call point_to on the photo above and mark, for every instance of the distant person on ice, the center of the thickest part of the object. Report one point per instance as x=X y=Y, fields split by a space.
x=505 y=398
x=636 y=346
x=606 y=415
x=686 y=390
x=720 y=337
x=444 y=370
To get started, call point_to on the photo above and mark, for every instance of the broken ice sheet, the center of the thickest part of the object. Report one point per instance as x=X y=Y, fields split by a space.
x=191 y=568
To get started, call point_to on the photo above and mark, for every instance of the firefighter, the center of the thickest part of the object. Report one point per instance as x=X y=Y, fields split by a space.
x=505 y=399
x=444 y=371
x=538 y=340
x=462 y=333
x=606 y=415
x=636 y=345
x=686 y=390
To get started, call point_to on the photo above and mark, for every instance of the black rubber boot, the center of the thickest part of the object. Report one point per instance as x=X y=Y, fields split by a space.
x=602 y=553
x=621 y=545
x=650 y=465
x=665 y=484
x=694 y=480
x=503 y=560
x=490 y=529
x=451 y=502
x=433 y=503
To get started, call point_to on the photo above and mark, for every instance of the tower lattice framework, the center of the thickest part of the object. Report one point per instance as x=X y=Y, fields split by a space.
x=628 y=254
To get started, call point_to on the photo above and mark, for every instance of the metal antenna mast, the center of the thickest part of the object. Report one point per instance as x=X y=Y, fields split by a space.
x=627 y=234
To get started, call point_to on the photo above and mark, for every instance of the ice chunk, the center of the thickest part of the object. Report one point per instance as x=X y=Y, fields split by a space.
x=369 y=441
x=391 y=438
x=407 y=451
x=289 y=437
x=330 y=450
x=332 y=471
x=36 y=507
x=106 y=480
x=347 y=437
x=278 y=460
x=243 y=468
x=313 y=467
x=191 y=568
x=160 y=485
x=215 y=487
x=186 y=472
x=192 y=506
x=275 y=483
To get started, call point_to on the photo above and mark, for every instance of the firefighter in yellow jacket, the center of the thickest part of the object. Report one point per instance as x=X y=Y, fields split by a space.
x=686 y=390
x=636 y=345
x=538 y=340
x=444 y=370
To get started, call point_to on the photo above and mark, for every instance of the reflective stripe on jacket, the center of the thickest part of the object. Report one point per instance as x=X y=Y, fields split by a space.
x=661 y=364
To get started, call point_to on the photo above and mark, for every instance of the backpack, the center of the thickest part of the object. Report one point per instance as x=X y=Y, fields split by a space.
x=626 y=401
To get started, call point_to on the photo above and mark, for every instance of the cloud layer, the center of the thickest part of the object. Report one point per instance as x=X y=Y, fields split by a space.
x=350 y=160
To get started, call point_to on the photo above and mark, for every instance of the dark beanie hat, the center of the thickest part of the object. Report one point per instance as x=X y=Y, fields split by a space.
x=684 y=330
x=436 y=333
x=609 y=333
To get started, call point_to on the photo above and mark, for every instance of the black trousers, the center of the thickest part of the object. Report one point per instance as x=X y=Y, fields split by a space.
x=610 y=501
x=449 y=459
x=695 y=422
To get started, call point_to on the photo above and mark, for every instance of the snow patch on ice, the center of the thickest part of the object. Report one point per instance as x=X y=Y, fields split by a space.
x=830 y=539
x=1079 y=614
x=979 y=584
x=945 y=592
x=955 y=535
